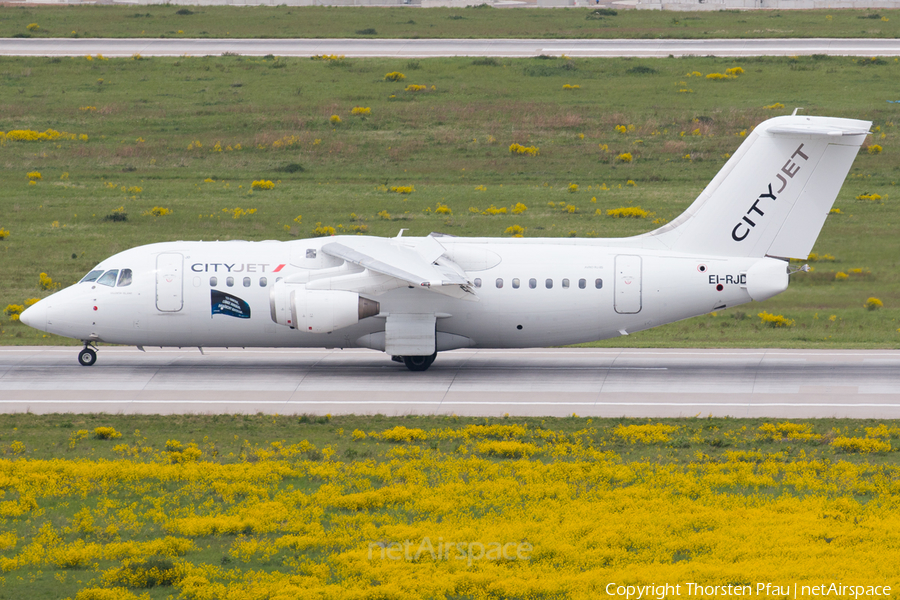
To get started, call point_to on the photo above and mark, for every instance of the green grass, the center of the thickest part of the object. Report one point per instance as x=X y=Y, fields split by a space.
x=229 y=439
x=143 y=119
x=404 y=22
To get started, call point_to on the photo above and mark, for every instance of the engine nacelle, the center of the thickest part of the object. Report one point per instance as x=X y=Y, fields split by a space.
x=318 y=311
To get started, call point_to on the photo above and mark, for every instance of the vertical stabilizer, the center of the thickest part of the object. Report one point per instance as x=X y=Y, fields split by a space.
x=772 y=196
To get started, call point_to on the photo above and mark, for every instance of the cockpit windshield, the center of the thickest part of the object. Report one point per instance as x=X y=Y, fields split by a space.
x=124 y=278
x=92 y=276
x=109 y=278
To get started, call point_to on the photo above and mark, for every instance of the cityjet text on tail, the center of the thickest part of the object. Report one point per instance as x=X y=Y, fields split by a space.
x=412 y=297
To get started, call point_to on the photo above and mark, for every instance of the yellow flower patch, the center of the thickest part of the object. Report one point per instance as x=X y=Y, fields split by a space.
x=786 y=431
x=106 y=433
x=630 y=212
x=645 y=434
x=403 y=434
x=262 y=184
x=158 y=211
x=493 y=211
x=861 y=445
x=775 y=320
x=526 y=150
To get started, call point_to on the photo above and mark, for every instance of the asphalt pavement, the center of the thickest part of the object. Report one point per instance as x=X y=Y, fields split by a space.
x=544 y=382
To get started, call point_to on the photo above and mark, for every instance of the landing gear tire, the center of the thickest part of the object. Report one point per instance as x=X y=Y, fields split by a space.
x=419 y=363
x=87 y=357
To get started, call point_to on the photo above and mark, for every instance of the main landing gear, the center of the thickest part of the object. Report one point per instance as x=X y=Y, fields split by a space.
x=87 y=356
x=416 y=363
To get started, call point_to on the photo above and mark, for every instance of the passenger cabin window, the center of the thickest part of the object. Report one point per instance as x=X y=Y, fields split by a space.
x=246 y=282
x=532 y=283
x=92 y=276
x=515 y=283
x=598 y=283
x=478 y=282
x=213 y=281
x=124 y=278
x=109 y=278
x=549 y=283
x=229 y=281
x=565 y=283
x=499 y=282
x=263 y=282
x=582 y=283
x=310 y=253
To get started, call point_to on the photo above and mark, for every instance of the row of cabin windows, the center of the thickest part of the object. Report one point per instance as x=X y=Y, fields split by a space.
x=516 y=283
x=123 y=278
x=111 y=278
x=229 y=281
x=548 y=283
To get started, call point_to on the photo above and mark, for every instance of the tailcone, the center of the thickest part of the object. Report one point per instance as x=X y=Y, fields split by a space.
x=767 y=278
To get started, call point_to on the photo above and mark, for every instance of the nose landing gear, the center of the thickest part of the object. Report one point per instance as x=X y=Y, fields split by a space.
x=87 y=356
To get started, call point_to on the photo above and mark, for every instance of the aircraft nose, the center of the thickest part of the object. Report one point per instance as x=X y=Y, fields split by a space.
x=35 y=316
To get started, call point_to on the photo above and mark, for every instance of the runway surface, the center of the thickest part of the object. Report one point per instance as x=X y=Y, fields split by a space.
x=422 y=48
x=545 y=382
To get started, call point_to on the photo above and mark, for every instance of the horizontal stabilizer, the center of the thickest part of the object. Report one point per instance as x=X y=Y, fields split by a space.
x=816 y=130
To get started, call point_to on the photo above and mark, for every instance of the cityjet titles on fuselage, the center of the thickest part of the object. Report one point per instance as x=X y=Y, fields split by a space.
x=235 y=268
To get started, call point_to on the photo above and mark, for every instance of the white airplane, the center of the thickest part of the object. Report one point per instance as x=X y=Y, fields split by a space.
x=413 y=297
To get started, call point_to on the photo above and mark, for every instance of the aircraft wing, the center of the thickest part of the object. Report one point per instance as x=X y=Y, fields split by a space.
x=419 y=264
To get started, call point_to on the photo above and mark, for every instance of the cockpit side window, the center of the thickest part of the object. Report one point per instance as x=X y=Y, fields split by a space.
x=124 y=278
x=109 y=278
x=92 y=276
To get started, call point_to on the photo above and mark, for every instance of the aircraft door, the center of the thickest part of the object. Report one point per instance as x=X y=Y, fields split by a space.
x=169 y=282
x=628 y=284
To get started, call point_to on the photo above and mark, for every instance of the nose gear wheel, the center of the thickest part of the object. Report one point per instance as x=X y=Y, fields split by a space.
x=87 y=356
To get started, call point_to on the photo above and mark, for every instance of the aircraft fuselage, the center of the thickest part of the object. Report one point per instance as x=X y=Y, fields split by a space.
x=526 y=294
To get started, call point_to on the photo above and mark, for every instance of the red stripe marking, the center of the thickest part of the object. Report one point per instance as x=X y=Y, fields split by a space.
x=278 y=268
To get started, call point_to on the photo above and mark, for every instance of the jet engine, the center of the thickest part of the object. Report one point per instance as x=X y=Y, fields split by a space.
x=318 y=311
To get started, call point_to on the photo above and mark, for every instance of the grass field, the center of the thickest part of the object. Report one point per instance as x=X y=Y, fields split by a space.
x=405 y=22
x=192 y=135
x=262 y=506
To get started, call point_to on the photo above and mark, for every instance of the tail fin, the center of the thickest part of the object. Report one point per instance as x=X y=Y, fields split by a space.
x=771 y=198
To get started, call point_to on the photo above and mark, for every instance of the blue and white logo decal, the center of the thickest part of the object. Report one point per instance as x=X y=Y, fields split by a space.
x=228 y=305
